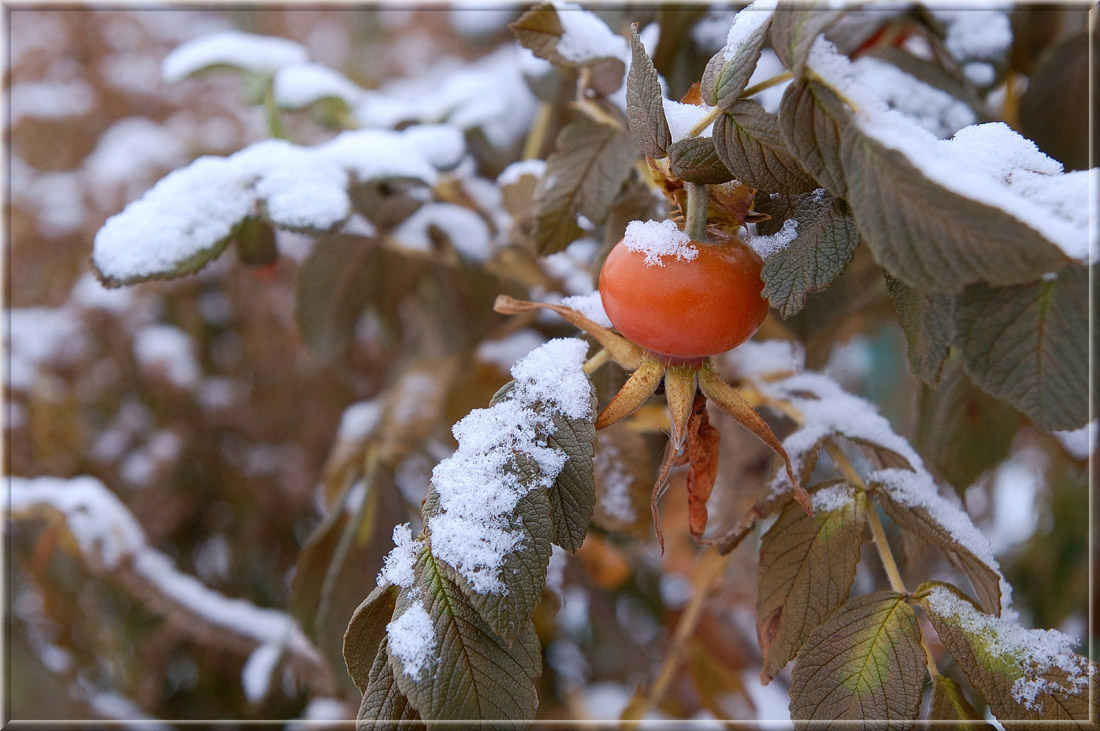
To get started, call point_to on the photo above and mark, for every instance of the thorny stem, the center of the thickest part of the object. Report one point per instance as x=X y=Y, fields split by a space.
x=754 y=89
x=696 y=213
x=710 y=570
x=539 y=127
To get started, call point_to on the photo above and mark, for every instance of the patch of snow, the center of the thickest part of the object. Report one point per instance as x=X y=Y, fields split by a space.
x=401 y=560
x=359 y=420
x=1016 y=487
x=768 y=66
x=615 y=482
x=504 y=352
x=512 y=174
x=412 y=640
x=980 y=73
x=466 y=230
x=1034 y=652
x=479 y=21
x=658 y=239
x=169 y=350
x=747 y=26
x=975 y=33
x=1080 y=443
x=676 y=590
x=36 y=337
x=301 y=84
x=256 y=53
x=765 y=246
x=755 y=360
x=589 y=305
x=50 y=99
x=585 y=37
x=836 y=497
x=125 y=155
x=682 y=118
x=933 y=109
x=257 y=671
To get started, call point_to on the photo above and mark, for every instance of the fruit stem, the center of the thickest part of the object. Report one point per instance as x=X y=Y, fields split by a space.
x=696 y=214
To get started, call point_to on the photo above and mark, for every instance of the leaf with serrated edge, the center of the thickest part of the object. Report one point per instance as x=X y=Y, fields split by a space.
x=949 y=704
x=930 y=237
x=824 y=243
x=928 y=321
x=813 y=119
x=750 y=142
x=918 y=519
x=573 y=494
x=729 y=70
x=1025 y=675
x=864 y=664
x=475 y=675
x=806 y=570
x=382 y=700
x=695 y=160
x=793 y=30
x=1028 y=345
x=584 y=175
x=645 y=110
x=366 y=631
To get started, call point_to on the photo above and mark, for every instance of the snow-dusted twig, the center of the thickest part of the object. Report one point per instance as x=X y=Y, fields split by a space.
x=114 y=545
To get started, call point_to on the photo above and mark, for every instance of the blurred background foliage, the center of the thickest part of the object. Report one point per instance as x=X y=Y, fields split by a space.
x=226 y=443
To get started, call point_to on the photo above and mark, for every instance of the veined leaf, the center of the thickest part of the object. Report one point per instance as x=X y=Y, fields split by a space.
x=961 y=430
x=864 y=664
x=1025 y=675
x=750 y=143
x=813 y=119
x=469 y=672
x=927 y=318
x=383 y=702
x=824 y=243
x=584 y=175
x=366 y=632
x=729 y=70
x=573 y=495
x=540 y=30
x=949 y=704
x=645 y=111
x=695 y=160
x=1028 y=345
x=793 y=31
x=912 y=501
x=806 y=569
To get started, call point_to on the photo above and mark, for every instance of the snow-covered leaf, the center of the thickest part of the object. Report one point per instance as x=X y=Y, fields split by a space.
x=823 y=244
x=1026 y=675
x=366 y=632
x=913 y=502
x=729 y=70
x=928 y=321
x=300 y=85
x=750 y=142
x=383 y=700
x=807 y=565
x=450 y=664
x=567 y=35
x=583 y=176
x=246 y=51
x=645 y=111
x=864 y=664
x=695 y=160
x=1028 y=345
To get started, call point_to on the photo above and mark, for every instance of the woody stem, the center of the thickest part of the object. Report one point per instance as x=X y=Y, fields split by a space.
x=696 y=214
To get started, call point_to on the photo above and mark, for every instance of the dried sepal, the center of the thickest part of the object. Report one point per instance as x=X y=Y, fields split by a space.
x=730 y=401
x=701 y=455
x=640 y=386
x=625 y=353
x=680 y=395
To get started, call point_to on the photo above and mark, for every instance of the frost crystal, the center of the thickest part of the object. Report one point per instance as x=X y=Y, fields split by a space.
x=833 y=498
x=400 y=561
x=1036 y=652
x=412 y=639
x=658 y=239
x=481 y=484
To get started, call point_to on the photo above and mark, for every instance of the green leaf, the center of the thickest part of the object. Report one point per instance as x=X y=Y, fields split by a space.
x=583 y=176
x=928 y=320
x=366 y=632
x=474 y=675
x=335 y=283
x=807 y=565
x=824 y=243
x=645 y=110
x=864 y=664
x=523 y=570
x=695 y=160
x=793 y=31
x=961 y=430
x=949 y=704
x=750 y=142
x=813 y=119
x=383 y=702
x=1028 y=345
x=933 y=520
x=1025 y=675
x=573 y=495
x=729 y=70
x=932 y=238
x=255 y=242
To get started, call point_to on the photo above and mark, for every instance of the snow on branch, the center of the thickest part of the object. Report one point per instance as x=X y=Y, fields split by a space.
x=114 y=544
x=187 y=217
